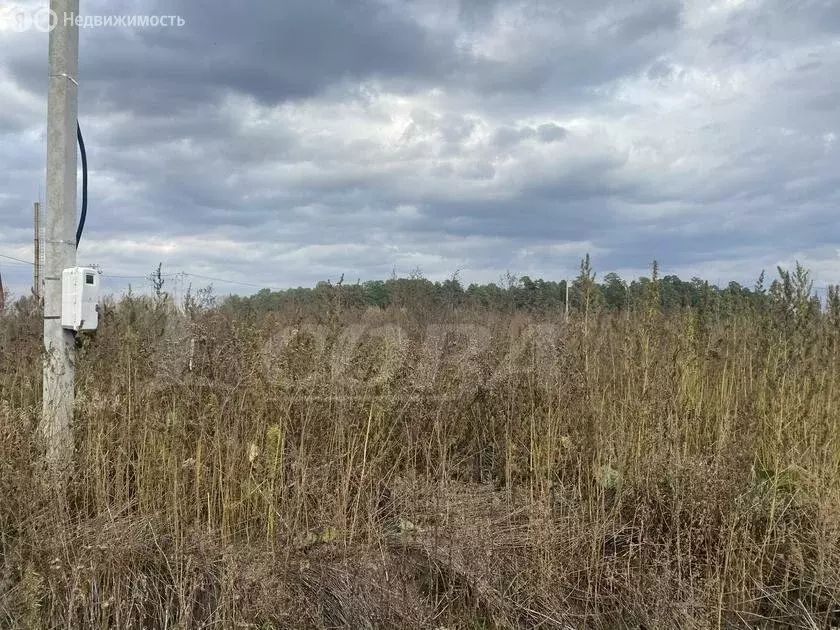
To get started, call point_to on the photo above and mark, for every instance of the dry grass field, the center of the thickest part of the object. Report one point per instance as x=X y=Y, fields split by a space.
x=401 y=468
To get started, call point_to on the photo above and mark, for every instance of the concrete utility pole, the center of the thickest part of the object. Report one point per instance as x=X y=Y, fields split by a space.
x=36 y=288
x=567 y=300
x=60 y=234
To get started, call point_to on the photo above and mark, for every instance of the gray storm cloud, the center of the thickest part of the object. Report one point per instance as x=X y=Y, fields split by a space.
x=287 y=142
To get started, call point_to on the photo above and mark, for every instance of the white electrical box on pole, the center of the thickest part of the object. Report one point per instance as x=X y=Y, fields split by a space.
x=80 y=298
x=60 y=234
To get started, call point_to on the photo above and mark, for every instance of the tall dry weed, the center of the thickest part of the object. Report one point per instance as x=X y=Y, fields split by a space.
x=406 y=468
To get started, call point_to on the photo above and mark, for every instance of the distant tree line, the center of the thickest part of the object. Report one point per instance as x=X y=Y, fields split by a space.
x=665 y=294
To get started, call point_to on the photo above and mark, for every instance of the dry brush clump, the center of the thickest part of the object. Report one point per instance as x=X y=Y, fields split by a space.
x=396 y=468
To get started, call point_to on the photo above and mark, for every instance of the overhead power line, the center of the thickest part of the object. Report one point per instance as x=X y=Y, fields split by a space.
x=164 y=275
x=25 y=262
x=146 y=277
x=244 y=284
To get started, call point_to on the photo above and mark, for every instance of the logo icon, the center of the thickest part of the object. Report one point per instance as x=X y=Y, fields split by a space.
x=18 y=19
x=15 y=18
x=44 y=20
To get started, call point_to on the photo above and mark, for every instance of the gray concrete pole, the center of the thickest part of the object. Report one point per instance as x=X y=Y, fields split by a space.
x=60 y=234
x=567 y=300
x=37 y=254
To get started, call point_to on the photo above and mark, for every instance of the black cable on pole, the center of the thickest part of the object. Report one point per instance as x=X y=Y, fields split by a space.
x=83 y=216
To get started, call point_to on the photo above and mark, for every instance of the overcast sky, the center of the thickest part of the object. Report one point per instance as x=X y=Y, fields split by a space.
x=283 y=142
